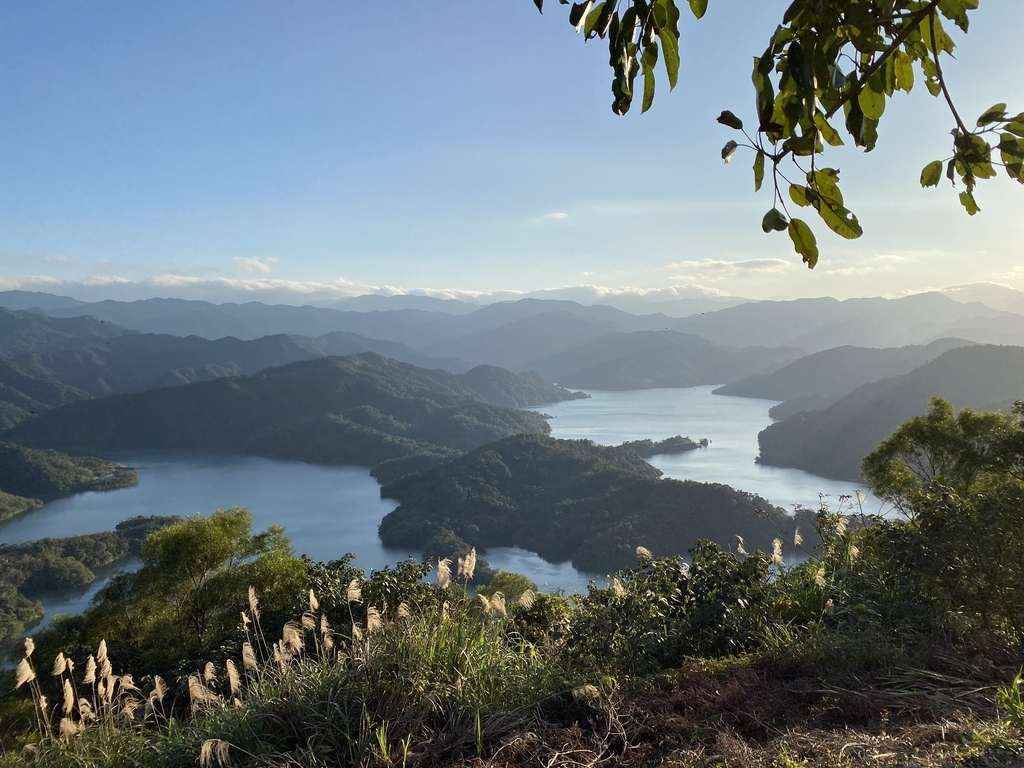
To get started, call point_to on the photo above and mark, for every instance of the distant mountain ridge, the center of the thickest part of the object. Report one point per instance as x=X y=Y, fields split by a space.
x=364 y=409
x=654 y=359
x=832 y=373
x=833 y=441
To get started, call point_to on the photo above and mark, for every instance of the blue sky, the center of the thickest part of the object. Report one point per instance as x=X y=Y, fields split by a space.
x=268 y=150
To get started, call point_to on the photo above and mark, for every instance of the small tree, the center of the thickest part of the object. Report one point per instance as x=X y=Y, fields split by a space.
x=957 y=479
x=193 y=585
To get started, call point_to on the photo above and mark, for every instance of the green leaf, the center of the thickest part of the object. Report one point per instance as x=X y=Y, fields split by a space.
x=1017 y=127
x=774 y=221
x=932 y=174
x=649 y=59
x=758 y=170
x=904 y=70
x=994 y=114
x=598 y=20
x=727 y=118
x=539 y=4
x=670 y=49
x=828 y=133
x=699 y=7
x=871 y=99
x=578 y=13
x=825 y=181
x=838 y=218
x=968 y=202
x=803 y=196
x=804 y=242
x=1011 y=150
x=956 y=11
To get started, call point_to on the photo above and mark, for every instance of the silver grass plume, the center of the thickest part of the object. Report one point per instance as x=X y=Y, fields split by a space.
x=90 y=670
x=777 y=551
x=292 y=638
x=69 y=697
x=355 y=592
x=444 y=573
x=498 y=603
x=740 y=547
x=467 y=565
x=60 y=665
x=527 y=599
x=69 y=727
x=214 y=754
x=234 y=681
x=373 y=620
x=24 y=673
x=249 y=657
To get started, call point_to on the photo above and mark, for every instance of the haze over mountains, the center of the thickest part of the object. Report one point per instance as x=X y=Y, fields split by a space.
x=817 y=355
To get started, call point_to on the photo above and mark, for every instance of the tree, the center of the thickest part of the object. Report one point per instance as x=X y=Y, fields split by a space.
x=193 y=585
x=829 y=68
x=943 y=448
x=958 y=480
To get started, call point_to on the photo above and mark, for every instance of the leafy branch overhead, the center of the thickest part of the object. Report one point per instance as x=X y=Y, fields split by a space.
x=829 y=69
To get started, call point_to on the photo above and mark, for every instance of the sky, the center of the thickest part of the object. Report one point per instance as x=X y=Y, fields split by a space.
x=291 y=152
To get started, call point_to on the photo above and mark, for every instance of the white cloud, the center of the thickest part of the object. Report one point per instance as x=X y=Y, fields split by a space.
x=253 y=266
x=102 y=280
x=719 y=268
x=553 y=217
x=41 y=283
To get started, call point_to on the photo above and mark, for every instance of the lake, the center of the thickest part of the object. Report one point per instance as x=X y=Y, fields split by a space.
x=730 y=424
x=329 y=511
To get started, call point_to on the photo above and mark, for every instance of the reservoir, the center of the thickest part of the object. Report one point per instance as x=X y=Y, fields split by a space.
x=329 y=511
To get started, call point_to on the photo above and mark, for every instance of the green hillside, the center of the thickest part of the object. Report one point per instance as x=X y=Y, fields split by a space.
x=29 y=477
x=572 y=500
x=833 y=441
x=360 y=409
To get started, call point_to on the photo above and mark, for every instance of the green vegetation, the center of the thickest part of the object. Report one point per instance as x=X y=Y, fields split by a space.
x=648 y=448
x=48 y=475
x=362 y=409
x=828 y=68
x=572 y=500
x=29 y=477
x=831 y=442
x=896 y=641
x=193 y=584
x=51 y=565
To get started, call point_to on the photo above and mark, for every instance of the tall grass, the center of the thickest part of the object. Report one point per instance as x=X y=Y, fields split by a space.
x=413 y=686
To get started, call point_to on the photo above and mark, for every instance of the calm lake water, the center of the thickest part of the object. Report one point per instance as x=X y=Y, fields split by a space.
x=329 y=511
x=730 y=424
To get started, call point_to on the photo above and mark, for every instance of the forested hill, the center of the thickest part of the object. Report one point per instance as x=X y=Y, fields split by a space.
x=571 y=500
x=833 y=441
x=359 y=409
x=836 y=372
x=647 y=359
x=46 y=362
x=29 y=477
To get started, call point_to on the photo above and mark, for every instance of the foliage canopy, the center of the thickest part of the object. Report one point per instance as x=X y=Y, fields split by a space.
x=829 y=68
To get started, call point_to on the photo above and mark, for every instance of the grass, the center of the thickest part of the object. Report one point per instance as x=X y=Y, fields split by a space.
x=453 y=682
